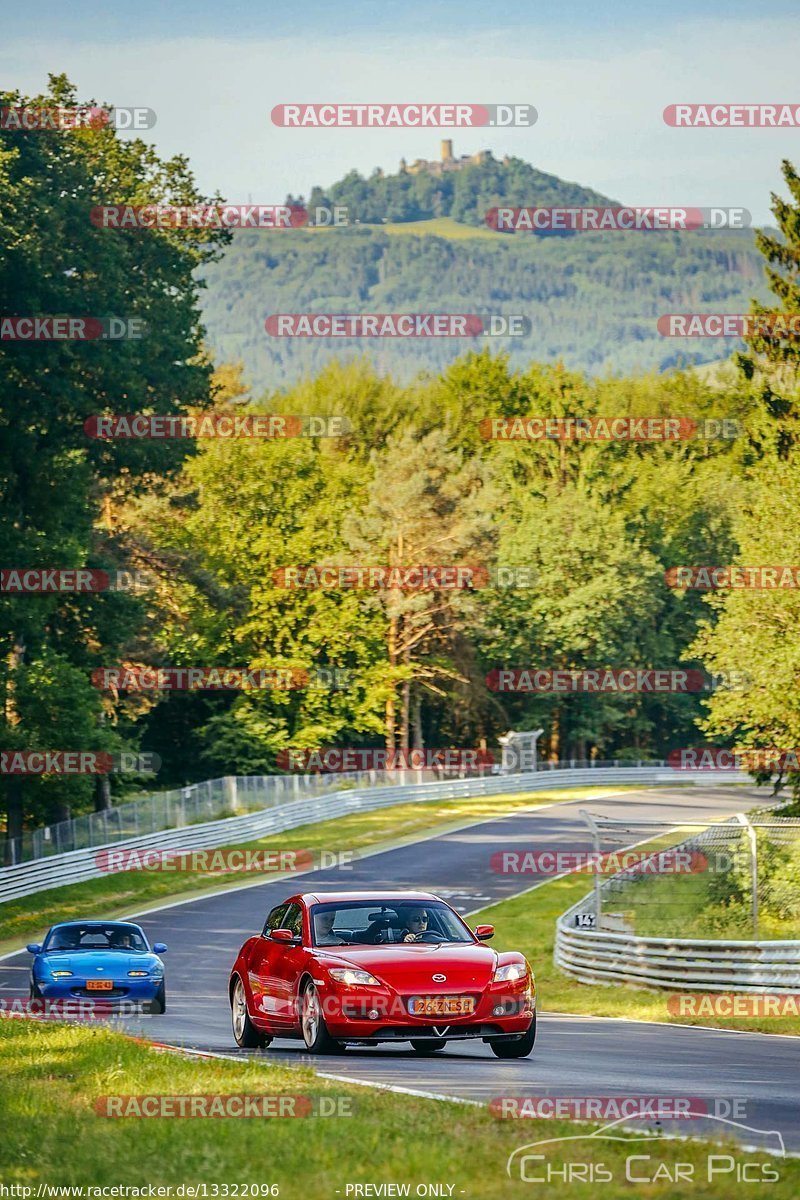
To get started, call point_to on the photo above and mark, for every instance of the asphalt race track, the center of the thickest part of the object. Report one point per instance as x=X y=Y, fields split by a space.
x=574 y=1056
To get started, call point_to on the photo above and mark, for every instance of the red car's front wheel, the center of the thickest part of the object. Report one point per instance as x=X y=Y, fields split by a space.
x=312 y=1023
x=518 y=1047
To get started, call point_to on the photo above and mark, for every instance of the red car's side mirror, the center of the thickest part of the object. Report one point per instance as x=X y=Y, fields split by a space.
x=484 y=932
x=285 y=937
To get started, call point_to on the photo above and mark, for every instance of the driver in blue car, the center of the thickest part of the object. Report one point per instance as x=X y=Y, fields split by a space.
x=416 y=920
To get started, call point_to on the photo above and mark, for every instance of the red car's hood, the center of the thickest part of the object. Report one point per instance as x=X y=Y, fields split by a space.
x=410 y=967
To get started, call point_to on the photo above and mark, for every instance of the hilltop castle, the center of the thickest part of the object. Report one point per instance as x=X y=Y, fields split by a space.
x=447 y=162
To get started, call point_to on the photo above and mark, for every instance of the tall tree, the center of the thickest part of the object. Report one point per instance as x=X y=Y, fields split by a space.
x=55 y=481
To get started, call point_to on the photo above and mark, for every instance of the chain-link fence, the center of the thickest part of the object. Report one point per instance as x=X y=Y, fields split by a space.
x=738 y=878
x=216 y=798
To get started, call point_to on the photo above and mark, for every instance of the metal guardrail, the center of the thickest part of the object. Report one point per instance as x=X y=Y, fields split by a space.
x=77 y=866
x=597 y=955
x=208 y=800
x=215 y=798
x=680 y=964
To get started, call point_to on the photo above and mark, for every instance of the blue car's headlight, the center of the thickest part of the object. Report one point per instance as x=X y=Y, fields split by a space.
x=139 y=974
x=60 y=974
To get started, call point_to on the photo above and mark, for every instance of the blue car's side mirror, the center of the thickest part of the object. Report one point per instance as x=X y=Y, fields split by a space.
x=159 y=947
x=34 y=948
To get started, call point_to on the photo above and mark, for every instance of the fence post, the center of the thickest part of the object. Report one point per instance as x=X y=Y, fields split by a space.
x=231 y=793
x=751 y=836
x=598 y=898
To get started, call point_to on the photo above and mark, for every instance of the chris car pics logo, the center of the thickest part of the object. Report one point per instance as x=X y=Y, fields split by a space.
x=580 y=1158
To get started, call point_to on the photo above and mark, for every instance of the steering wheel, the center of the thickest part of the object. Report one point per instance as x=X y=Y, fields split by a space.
x=427 y=936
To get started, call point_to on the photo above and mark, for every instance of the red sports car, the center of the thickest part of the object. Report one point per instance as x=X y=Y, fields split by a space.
x=362 y=967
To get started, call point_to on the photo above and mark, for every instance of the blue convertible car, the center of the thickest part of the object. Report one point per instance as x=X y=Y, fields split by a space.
x=109 y=961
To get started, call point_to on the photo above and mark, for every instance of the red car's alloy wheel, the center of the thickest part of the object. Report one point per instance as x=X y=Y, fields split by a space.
x=312 y=1023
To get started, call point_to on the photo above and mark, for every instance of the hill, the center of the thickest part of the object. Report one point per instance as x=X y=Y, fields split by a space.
x=461 y=189
x=593 y=299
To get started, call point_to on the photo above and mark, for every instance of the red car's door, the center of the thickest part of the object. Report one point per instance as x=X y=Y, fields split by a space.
x=290 y=963
x=275 y=968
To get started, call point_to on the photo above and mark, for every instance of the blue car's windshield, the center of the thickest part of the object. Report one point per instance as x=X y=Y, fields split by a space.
x=95 y=937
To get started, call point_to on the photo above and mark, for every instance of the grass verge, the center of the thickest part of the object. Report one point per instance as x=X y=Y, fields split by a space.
x=119 y=894
x=54 y=1075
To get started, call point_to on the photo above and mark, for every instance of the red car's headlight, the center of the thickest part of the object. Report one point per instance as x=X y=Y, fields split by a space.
x=351 y=976
x=510 y=973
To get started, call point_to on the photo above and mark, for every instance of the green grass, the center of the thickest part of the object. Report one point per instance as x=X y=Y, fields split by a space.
x=54 y=1075
x=528 y=923
x=444 y=227
x=680 y=906
x=123 y=893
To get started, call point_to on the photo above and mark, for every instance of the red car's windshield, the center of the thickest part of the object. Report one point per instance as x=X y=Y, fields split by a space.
x=386 y=922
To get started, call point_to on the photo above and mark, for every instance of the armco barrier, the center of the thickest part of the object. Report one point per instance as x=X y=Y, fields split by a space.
x=78 y=865
x=680 y=964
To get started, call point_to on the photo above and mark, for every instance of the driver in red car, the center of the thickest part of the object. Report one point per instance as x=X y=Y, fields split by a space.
x=416 y=920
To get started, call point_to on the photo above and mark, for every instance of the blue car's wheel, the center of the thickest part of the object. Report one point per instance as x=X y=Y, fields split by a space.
x=158 y=1004
x=35 y=992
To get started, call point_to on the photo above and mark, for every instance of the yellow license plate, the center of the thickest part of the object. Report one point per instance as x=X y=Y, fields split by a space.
x=99 y=985
x=441 y=1006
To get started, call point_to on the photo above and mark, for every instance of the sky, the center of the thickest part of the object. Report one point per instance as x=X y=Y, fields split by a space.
x=599 y=76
